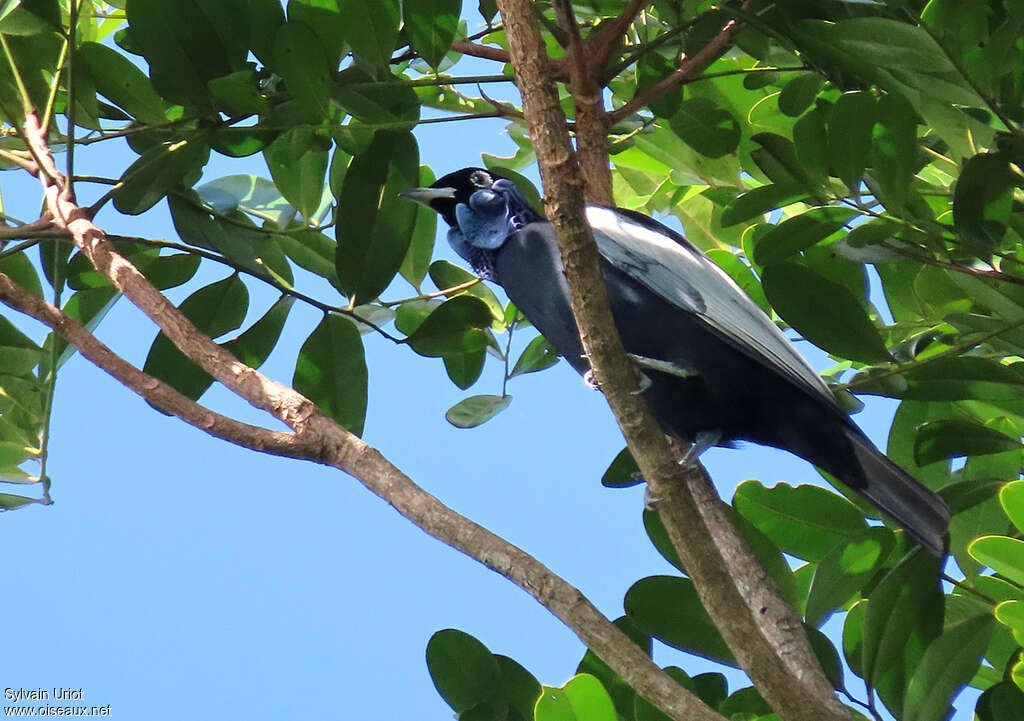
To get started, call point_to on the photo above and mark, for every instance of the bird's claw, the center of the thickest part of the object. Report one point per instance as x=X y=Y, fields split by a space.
x=588 y=380
x=651 y=499
x=701 y=442
x=645 y=383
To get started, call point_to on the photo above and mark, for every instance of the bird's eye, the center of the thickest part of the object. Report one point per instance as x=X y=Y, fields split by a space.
x=480 y=179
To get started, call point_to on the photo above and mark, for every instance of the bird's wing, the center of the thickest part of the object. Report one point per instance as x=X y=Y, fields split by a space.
x=669 y=265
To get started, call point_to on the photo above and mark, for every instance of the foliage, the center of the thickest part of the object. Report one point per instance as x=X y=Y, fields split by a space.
x=854 y=166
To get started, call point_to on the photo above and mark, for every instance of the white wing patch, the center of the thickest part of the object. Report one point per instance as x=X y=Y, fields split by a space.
x=687 y=278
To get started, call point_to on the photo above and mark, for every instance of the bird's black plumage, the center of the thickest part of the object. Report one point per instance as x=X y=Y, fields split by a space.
x=717 y=366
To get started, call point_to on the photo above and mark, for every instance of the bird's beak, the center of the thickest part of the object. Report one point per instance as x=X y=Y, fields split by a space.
x=425 y=195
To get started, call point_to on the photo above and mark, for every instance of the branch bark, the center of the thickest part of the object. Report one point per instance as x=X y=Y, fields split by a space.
x=763 y=632
x=318 y=438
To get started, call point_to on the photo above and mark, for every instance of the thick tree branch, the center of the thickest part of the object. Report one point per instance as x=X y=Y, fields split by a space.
x=761 y=629
x=601 y=46
x=321 y=439
x=152 y=389
x=591 y=120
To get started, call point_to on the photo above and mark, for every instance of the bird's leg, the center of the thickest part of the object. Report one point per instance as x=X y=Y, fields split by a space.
x=672 y=369
x=701 y=442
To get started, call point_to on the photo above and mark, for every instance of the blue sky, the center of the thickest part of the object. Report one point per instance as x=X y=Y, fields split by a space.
x=180 y=577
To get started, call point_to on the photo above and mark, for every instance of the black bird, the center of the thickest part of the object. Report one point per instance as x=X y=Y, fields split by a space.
x=718 y=369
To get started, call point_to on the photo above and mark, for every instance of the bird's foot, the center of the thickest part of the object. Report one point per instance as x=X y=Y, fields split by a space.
x=588 y=380
x=667 y=367
x=651 y=499
x=701 y=442
x=645 y=383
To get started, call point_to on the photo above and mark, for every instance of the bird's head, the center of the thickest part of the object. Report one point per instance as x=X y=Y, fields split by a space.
x=481 y=208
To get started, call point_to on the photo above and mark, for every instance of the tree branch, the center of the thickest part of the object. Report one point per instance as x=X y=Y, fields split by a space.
x=761 y=629
x=326 y=442
x=688 y=69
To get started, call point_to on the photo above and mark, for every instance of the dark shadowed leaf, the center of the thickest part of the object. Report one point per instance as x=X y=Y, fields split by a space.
x=941 y=440
x=622 y=472
x=668 y=608
x=374 y=223
x=215 y=310
x=431 y=25
x=331 y=372
x=904 y=614
x=158 y=171
x=188 y=43
x=983 y=198
x=949 y=379
x=299 y=58
x=122 y=82
x=464 y=367
x=375 y=28
x=476 y=410
x=799 y=93
x=894 y=150
x=705 y=127
x=810 y=140
x=421 y=247
x=849 y=135
x=254 y=346
x=463 y=670
x=298 y=163
x=265 y=17
x=798 y=294
x=323 y=18
x=519 y=688
x=457 y=325
x=947 y=665
x=448 y=275
x=623 y=696
x=755 y=203
x=796 y=234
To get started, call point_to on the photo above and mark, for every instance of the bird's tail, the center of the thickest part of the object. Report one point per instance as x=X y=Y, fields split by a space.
x=919 y=510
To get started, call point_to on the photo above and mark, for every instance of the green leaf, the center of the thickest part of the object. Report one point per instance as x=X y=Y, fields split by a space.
x=19 y=268
x=1003 y=555
x=844 y=570
x=463 y=670
x=983 y=198
x=323 y=17
x=157 y=172
x=849 y=134
x=431 y=25
x=871 y=232
x=755 y=203
x=297 y=160
x=519 y=688
x=265 y=17
x=421 y=247
x=239 y=93
x=254 y=346
x=1011 y=496
x=121 y=82
x=331 y=372
x=448 y=275
x=796 y=234
x=798 y=293
x=777 y=159
x=810 y=141
x=948 y=379
x=374 y=223
x=457 y=325
x=188 y=43
x=805 y=521
x=476 y=410
x=583 y=698
x=300 y=59
x=9 y=501
x=537 y=356
x=904 y=614
x=668 y=608
x=894 y=150
x=249 y=194
x=799 y=93
x=622 y=472
x=313 y=251
x=947 y=665
x=705 y=127
x=1001 y=702
x=464 y=367
x=215 y=310
x=944 y=439
x=377 y=23
x=623 y=696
